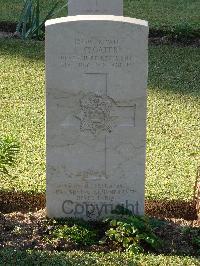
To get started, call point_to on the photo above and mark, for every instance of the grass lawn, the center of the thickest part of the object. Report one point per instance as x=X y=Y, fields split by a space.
x=12 y=257
x=173 y=138
x=170 y=15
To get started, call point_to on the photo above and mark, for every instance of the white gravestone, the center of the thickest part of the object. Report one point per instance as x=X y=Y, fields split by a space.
x=96 y=79
x=95 y=7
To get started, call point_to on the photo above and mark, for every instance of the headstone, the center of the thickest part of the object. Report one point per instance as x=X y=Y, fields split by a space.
x=95 y=7
x=96 y=79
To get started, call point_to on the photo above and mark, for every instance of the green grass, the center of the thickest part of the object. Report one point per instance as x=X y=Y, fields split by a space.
x=22 y=115
x=13 y=257
x=173 y=138
x=10 y=10
x=170 y=15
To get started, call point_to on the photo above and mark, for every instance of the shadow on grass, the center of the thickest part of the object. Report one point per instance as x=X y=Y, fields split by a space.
x=29 y=49
x=21 y=201
x=175 y=69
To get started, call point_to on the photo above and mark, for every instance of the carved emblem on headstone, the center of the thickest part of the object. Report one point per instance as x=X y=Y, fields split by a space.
x=95 y=115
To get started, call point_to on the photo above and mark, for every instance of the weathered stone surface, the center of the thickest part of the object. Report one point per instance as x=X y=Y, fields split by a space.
x=95 y=7
x=96 y=78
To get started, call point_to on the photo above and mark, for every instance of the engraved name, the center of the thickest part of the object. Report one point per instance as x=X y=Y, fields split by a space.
x=97 y=52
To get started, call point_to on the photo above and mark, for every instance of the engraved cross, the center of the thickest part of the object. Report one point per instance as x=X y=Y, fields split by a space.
x=100 y=113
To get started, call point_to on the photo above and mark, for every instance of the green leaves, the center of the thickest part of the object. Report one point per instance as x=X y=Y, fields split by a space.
x=30 y=25
x=8 y=153
x=76 y=233
x=132 y=232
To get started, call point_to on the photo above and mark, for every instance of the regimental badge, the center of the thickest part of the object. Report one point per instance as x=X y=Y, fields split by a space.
x=95 y=115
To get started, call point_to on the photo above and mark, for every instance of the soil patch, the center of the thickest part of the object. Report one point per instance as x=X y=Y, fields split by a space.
x=171 y=209
x=7 y=26
x=31 y=230
x=21 y=201
x=24 y=225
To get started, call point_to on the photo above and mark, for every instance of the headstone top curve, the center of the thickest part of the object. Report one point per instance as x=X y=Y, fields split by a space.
x=97 y=18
